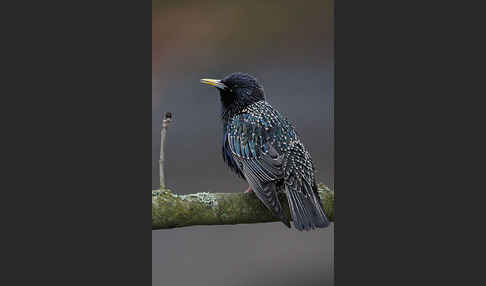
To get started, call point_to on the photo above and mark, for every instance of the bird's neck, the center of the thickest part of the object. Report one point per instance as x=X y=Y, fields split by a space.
x=227 y=112
x=231 y=107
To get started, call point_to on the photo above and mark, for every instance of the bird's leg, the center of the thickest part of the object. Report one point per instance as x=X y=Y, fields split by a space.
x=249 y=190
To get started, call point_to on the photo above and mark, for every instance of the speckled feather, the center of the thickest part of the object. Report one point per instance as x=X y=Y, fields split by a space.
x=263 y=147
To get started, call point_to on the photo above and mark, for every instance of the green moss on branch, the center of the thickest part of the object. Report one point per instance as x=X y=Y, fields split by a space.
x=170 y=210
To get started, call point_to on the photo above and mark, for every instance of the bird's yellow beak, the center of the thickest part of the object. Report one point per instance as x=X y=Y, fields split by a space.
x=213 y=82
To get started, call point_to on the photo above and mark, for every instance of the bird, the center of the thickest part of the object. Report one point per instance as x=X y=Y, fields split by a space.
x=260 y=145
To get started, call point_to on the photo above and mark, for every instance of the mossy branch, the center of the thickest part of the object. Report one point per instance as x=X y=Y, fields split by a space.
x=170 y=210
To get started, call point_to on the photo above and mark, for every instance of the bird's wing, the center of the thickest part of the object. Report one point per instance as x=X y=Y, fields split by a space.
x=249 y=138
x=260 y=136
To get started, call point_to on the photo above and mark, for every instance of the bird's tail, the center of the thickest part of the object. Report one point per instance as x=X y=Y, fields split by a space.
x=306 y=208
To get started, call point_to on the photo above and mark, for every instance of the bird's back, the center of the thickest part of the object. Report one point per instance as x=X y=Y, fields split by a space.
x=251 y=136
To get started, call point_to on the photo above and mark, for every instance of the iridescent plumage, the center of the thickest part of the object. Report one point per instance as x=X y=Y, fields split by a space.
x=261 y=146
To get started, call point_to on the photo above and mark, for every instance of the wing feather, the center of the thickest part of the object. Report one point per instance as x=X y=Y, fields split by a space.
x=269 y=154
x=259 y=161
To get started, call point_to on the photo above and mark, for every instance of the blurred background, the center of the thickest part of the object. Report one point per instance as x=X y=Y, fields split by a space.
x=288 y=46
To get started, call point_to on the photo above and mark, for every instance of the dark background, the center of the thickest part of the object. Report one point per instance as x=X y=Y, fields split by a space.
x=289 y=48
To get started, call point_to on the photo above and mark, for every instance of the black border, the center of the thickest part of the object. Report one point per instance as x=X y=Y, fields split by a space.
x=83 y=137
x=403 y=212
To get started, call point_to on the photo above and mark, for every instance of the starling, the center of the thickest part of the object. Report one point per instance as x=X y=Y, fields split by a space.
x=262 y=147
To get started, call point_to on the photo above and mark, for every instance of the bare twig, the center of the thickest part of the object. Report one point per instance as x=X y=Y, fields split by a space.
x=163 y=135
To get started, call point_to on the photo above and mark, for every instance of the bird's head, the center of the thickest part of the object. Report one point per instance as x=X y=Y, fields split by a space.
x=237 y=91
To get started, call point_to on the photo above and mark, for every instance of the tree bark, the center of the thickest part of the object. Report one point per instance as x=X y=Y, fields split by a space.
x=170 y=210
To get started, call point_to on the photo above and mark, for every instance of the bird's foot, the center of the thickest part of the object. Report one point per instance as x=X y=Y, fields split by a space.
x=249 y=190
